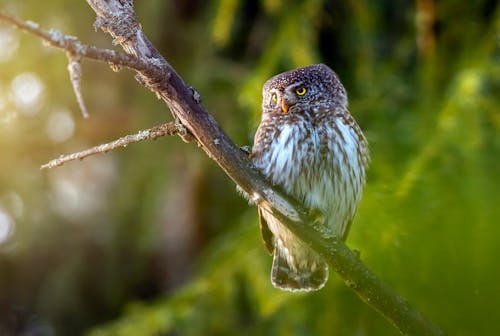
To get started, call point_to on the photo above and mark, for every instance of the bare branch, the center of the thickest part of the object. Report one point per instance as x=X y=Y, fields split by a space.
x=71 y=44
x=170 y=128
x=75 y=75
x=75 y=50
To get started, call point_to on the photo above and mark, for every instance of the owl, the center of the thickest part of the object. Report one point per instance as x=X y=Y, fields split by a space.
x=309 y=145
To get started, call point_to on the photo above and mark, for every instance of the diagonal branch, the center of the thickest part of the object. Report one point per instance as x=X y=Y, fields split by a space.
x=117 y=17
x=178 y=96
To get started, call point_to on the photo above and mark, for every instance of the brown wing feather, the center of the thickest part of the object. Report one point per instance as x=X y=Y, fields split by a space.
x=267 y=235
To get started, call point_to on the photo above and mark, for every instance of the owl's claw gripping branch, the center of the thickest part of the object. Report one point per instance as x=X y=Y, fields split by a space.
x=246 y=149
x=145 y=59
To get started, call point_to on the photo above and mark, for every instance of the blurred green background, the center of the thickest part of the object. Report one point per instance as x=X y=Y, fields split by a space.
x=154 y=240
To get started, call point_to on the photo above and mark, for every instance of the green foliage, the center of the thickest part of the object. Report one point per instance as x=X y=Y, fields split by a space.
x=170 y=248
x=427 y=220
x=232 y=294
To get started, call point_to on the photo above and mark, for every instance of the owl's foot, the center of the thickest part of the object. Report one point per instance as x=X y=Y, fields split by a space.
x=246 y=149
x=317 y=216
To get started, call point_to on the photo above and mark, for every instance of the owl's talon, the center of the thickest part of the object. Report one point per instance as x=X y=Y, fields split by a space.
x=317 y=215
x=246 y=149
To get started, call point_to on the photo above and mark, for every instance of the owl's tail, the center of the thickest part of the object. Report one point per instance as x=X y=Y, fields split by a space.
x=298 y=274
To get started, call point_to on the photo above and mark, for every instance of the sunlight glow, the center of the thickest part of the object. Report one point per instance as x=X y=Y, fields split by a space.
x=2 y=103
x=6 y=226
x=469 y=86
x=9 y=42
x=27 y=92
x=81 y=191
x=60 y=126
x=13 y=201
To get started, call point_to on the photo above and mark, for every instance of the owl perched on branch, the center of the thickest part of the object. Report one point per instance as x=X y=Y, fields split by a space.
x=308 y=144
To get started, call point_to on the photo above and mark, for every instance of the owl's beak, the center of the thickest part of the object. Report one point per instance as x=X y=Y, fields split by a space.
x=284 y=105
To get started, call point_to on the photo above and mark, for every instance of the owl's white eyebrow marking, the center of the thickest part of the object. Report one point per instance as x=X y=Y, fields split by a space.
x=292 y=87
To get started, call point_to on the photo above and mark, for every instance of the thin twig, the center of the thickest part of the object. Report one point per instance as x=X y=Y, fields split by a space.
x=71 y=44
x=75 y=50
x=170 y=128
x=75 y=75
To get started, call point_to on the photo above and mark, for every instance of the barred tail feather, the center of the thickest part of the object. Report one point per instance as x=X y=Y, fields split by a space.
x=308 y=276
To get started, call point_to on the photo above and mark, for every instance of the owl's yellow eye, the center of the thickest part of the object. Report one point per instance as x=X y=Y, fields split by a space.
x=274 y=97
x=301 y=90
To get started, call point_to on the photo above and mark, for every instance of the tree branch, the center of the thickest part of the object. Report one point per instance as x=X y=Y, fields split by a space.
x=152 y=133
x=117 y=17
x=71 y=44
x=75 y=75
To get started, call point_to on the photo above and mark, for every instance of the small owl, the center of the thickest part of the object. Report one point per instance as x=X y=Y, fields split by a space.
x=308 y=144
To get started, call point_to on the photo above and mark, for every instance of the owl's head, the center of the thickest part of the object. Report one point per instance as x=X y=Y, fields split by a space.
x=302 y=88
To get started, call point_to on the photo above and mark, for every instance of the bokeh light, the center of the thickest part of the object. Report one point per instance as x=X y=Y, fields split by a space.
x=27 y=92
x=81 y=190
x=6 y=226
x=9 y=43
x=60 y=126
x=2 y=100
x=14 y=203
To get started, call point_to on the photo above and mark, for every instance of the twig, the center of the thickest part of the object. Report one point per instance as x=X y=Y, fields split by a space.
x=71 y=44
x=75 y=75
x=75 y=50
x=170 y=128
